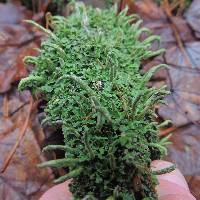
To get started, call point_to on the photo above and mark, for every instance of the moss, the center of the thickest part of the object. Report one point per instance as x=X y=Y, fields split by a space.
x=88 y=71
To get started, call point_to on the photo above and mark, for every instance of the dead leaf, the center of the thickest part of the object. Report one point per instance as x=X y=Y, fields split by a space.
x=193 y=16
x=148 y=10
x=14 y=35
x=16 y=41
x=13 y=13
x=185 y=150
x=155 y=18
x=22 y=179
x=12 y=67
x=184 y=82
x=194 y=182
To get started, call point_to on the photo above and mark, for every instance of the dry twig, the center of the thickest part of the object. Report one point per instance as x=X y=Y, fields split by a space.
x=21 y=134
x=168 y=11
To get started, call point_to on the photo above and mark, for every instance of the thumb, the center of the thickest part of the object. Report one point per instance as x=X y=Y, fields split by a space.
x=58 y=192
x=172 y=186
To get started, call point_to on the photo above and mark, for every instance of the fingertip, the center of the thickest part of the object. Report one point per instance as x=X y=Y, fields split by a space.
x=167 y=189
x=172 y=186
x=175 y=176
x=177 y=197
x=58 y=192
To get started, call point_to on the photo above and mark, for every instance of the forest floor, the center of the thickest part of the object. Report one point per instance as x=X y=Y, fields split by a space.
x=21 y=135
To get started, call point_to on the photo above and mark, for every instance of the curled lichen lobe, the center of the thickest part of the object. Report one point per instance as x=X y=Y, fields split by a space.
x=89 y=74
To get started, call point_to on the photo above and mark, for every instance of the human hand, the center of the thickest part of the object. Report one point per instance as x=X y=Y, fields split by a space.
x=172 y=186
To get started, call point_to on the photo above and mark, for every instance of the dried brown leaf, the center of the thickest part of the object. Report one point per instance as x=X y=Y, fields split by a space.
x=22 y=179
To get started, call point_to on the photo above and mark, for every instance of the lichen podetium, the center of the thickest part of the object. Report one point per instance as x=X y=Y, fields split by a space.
x=88 y=72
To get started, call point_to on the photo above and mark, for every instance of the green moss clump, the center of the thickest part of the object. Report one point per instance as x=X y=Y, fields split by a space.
x=88 y=71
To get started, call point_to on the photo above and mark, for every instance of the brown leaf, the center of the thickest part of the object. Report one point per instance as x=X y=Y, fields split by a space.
x=13 y=13
x=155 y=18
x=148 y=10
x=14 y=35
x=16 y=41
x=22 y=179
x=193 y=17
x=185 y=150
x=184 y=101
x=194 y=182
x=12 y=67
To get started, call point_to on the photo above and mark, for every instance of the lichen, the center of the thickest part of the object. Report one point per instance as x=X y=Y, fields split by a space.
x=88 y=72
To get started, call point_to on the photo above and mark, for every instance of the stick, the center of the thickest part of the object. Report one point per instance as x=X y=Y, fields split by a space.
x=21 y=135
x=167 y=10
